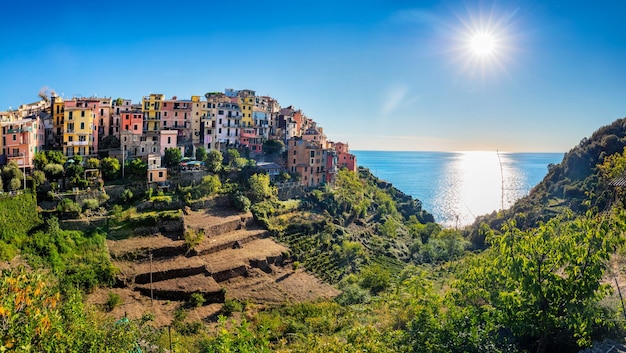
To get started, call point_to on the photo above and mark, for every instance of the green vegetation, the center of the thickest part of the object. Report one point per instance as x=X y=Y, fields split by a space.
x=38 y=317
x=574 y=184
x=536 y=280
x=113 y=301
x=193 y=237
x=172 y=157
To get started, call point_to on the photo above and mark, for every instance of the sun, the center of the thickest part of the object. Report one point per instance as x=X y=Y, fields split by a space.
x=483 y=44
x=484 y=41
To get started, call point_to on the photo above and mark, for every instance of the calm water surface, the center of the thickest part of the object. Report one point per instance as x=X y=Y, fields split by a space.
x=458 y=186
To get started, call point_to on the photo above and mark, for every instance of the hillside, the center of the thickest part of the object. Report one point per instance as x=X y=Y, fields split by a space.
x=574 y=184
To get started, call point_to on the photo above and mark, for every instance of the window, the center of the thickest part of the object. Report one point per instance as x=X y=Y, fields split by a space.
x=82 y=113
x=295 y=152
x=169 y=140
x=82 y=126
x=160 y=174
x=312 y=154
x=14 y=137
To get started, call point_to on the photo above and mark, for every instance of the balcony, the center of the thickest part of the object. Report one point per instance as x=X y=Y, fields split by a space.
x=77 y=143
x=24 y=129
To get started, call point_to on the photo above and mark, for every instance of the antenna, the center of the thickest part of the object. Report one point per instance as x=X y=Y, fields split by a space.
x=501 y=178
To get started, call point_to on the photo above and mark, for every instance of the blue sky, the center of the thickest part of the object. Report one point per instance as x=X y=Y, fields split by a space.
x=380 y=75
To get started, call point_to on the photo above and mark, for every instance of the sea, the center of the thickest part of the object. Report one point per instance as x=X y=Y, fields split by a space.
x=456 y=187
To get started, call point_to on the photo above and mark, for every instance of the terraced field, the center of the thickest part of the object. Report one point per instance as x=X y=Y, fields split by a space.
x=236 y=259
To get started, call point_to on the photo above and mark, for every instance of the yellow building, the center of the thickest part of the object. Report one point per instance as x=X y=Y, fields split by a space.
x=199 y=112
x=151 y=108
x=78 y=128
x=57 y=110
x=246 y=103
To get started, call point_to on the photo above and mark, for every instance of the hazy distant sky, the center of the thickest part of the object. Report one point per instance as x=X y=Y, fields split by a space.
x=380 y=75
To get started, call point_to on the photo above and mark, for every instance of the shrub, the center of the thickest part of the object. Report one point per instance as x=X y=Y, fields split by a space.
x=127 y=196
x=230 y=306
x=375 y=278
x=196 y=300
x=193 y=237
x=242 y=203
x=161 y=200
x=91 y=204
x=113 y=301
x=68 y=208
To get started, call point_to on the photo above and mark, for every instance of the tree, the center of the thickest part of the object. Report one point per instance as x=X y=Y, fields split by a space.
x=92 y=163
x=137 y=167
x=110 y=168
x=53 y=170
x=56 y=157
x=260 y=188
x=544 y=284
x=12 y=175
x=172 y=157
x=40 y=160
x=75 y=173
x=201 y=154
x=240 y=162
x=271 y=147
x=109 y=142
x=209 y=185
x=39 y=177
x=214 y=160
x=231 y=155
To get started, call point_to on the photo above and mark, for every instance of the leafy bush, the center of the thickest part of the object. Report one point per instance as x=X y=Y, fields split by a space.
x=113 y=301
x=375 y=278
x=91 y=204
x=196 y=300
x=232 y=305
x=161 y=200
x=68 y=208
x=241 y=202
x=193 y=237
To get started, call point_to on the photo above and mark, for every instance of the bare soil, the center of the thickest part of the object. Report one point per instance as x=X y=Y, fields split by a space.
x=236 y=260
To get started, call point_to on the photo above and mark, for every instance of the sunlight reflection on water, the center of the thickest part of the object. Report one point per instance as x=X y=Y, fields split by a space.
x=458 y=186
x=472 y=185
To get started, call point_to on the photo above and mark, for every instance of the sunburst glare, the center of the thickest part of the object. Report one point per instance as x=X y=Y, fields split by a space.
x=484 y=42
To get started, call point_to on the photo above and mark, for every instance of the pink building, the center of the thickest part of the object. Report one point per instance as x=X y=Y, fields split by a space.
x=249 y=138
x=168 y=139
x=21 y=139
x=344 y=158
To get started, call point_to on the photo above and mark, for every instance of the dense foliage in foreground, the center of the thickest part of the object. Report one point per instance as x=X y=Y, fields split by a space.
x=407 y=284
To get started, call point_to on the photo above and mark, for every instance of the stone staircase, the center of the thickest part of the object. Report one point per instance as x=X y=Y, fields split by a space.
x=163 y=267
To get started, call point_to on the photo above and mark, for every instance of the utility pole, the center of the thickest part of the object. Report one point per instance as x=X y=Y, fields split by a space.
x=123 y=160
x=151 y=295
x=24 y=167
